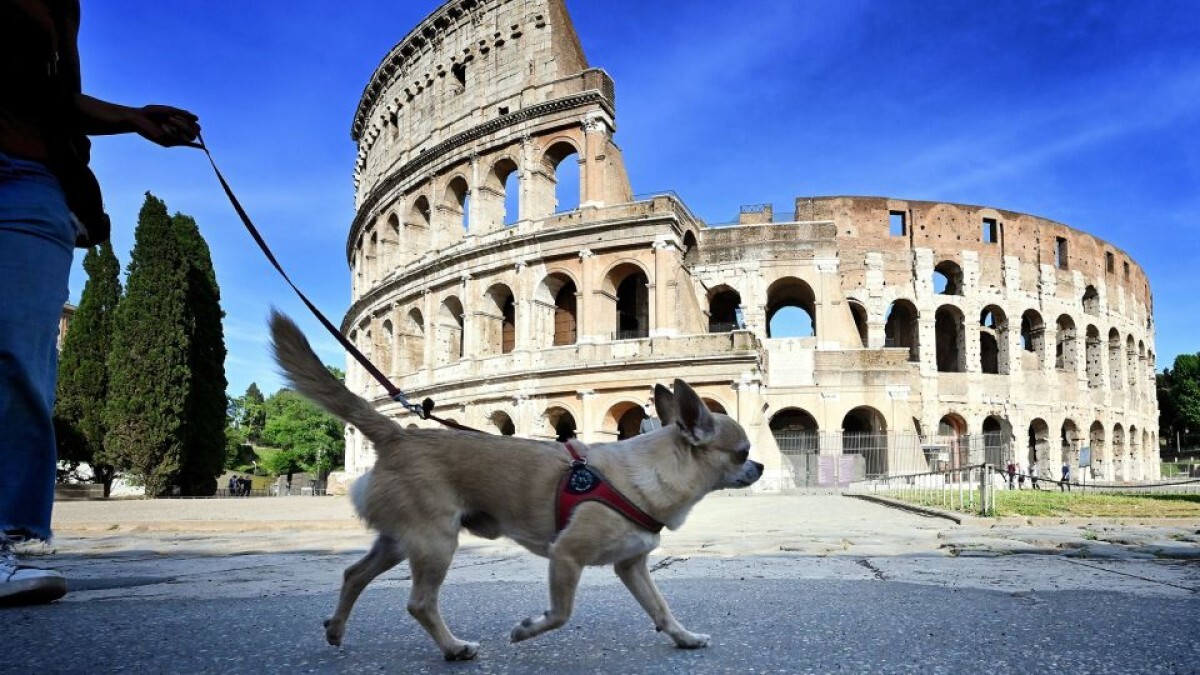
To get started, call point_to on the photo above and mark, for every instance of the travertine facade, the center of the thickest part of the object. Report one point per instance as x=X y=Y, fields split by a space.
x=474 y=286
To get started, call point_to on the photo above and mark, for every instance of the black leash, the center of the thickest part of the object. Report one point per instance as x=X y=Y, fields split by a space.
x=425 y=409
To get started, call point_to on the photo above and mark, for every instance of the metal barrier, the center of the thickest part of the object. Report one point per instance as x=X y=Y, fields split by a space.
x=970 y=489
x=833 y=458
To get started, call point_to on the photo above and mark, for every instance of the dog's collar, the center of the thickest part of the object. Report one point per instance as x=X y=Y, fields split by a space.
x=583 y=483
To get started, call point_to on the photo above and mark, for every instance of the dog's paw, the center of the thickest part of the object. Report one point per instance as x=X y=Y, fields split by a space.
x=691 y=640
x=524 y=630
x=334 y=630
x=463 y=651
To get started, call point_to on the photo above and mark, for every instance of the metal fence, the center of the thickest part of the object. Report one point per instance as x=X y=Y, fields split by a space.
x=836 y=459
x=970 y=489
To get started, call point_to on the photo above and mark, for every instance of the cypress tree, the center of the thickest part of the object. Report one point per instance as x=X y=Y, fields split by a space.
x=254 y=415
x=83 y=371
x=205 y=416
x=148 y=364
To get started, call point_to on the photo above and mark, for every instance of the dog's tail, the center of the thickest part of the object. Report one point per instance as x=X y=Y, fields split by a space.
x=308 y=375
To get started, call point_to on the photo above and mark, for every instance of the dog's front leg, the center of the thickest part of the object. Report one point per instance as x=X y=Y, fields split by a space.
x=635 y=574
x=564 y=578
x=385 y=554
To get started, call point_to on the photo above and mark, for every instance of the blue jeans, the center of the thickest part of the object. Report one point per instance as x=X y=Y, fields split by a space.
x=37 y=239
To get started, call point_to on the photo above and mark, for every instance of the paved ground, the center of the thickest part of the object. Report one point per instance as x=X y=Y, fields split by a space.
x=783 y=583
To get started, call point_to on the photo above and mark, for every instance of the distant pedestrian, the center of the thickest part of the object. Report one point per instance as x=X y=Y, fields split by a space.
x=233 y=485
x=1033 y=476
x=1012 y=473
x=1020 y=478
x=649 y=422
x=1066 y=478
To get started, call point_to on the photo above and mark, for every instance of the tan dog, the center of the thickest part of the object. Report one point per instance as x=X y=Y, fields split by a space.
x=427 y=485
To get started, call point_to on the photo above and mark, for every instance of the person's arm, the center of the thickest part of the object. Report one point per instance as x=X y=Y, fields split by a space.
x=165 y=125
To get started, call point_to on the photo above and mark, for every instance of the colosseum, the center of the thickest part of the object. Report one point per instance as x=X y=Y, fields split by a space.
x=502 y=265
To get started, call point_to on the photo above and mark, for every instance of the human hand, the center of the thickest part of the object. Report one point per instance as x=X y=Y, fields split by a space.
x=165 y=125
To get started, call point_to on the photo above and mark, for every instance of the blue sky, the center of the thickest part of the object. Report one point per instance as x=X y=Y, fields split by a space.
x=1087 y=113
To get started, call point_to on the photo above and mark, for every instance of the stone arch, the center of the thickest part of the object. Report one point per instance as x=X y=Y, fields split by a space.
x=1065 y=348
x=864 y=432
x=1033 y=341
x=1038 y=446
x=559 y=422
x=714 y=405
x=565 y=177
x=950 y=340
x=858 y=312
x=797 y=302
x=1131 y=376
x=1114 y=359
x=454 y=210
x=1119 y=458
x=947 y=278
x=1093 y=360
x=392 y=256
x=724 y=309
x=386 y=347
x=503 y=423
x=952 y=436
x=997 y=435
x=1091 y=301
x=993 y=341
x=1069 y=442
x=413 y=341
x=500 y=199
x=623 y=420
x=629 y=285
x=417 y=226
x=555 y=310
x=798 y=438
x=450 y=332
x=691 y=249
x=1101 y=462
x=902 y=328
x=498 y=321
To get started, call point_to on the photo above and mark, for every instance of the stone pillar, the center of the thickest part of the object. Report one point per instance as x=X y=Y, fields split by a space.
x=585 y=302
x=595 y=139
x=470 y=319
x=588 y=417
x=663 y=317
x=431 y=333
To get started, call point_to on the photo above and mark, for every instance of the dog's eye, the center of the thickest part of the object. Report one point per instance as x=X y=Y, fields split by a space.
x=741 y=456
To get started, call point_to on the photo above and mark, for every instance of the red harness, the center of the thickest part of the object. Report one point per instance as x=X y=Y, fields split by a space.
x=582 y=484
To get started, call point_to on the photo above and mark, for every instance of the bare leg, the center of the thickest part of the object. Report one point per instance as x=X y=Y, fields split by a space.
x=385 y=554
x=636 y=576
x=564 y=578
x=429 y=561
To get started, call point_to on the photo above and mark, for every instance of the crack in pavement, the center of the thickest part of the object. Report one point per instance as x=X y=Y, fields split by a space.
x=1135 y=576
x=879 y=575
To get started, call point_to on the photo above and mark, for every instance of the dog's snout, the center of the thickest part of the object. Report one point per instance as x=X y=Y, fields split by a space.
x=757 y=466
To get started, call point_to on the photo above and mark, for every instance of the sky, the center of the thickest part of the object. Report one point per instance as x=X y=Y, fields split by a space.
x=1086 y=113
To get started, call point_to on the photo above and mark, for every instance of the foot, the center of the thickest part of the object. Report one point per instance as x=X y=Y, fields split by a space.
x=26 y=585
x=334 y=630
x=689 y=640
x=462 y=651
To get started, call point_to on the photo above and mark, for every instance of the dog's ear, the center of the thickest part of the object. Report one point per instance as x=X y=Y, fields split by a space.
x=664 y=404
x=692 y=417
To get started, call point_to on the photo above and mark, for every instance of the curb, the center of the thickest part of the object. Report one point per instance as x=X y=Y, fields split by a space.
x=926 y=511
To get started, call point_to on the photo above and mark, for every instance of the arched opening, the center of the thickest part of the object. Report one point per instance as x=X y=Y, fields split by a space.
x=416 y=227
x=632 y=301
x=691 y=253
x=1131 y=374
x=791 y=309
x=373 y=258
x=1119 y=459
x=1094 y=360
x=499 y=321
x=1068 y=440
x=797 y=436
x=502 y=423
x=951 y=446
x=947 y=278
x=1038 y=446
x=993 y=341
x=1141 y=364
x=714 y=406
x=554 y=311
x=510 y=182
x=902 y=328
x=392 y=256
x=455 y=210
x=1091 y=301
x=724 y=310
x=498 y=200
x=1100 y=459
x=864 y=433
x=997 y=433
x=950 y=340
x=450 y=332
x=1065 y=349
x=858 y=312
x=414 y=341
x=1033 y=341
x=384 y=350
x=562 y=162
x=1114 y=359
x=560 y=423
x=624 y=420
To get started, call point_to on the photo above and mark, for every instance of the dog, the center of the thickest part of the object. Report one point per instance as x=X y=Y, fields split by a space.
x=429 y=484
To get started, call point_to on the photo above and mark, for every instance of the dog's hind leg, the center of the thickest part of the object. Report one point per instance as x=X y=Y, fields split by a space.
x=429 y=559
x=385 y=554
x=636 y=577
x=565 y=571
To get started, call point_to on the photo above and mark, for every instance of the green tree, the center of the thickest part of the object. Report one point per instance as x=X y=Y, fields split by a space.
x=205 y=421
x=1179 y=397
x=308 y=438
x=166 y=408
x=83 y=371
x=253 y=413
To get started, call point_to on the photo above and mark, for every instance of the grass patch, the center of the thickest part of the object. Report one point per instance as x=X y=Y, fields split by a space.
x=1093 y=505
